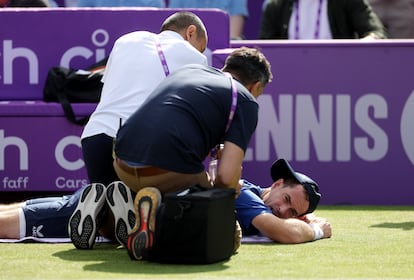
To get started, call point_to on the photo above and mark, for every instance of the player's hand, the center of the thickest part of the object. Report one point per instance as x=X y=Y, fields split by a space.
x=325 y=226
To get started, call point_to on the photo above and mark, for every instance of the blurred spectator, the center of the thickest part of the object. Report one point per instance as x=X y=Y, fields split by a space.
x=71 y=3
x=64 y=3
x=121 y=3
x=397 y=17
x=24 y=3
x=320 y=19
x=237 y=9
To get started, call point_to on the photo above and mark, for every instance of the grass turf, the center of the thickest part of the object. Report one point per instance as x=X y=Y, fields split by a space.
x=370 y=242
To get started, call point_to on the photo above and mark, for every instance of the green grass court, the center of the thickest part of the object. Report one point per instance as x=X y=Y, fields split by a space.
x=368 y=243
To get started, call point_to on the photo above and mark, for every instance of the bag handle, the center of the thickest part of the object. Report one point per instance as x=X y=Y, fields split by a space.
x=68 y=110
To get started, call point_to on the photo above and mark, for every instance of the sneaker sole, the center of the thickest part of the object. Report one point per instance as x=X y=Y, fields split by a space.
x=120 y=201
x=141 y=238
x=82 y=223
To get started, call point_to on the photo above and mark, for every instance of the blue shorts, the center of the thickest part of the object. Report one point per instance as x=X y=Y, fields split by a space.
x=48 y=217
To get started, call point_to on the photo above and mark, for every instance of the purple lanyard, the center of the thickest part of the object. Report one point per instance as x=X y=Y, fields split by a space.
x=162 y=58
x=234 y=100
x=318 y=20
x=214 y=151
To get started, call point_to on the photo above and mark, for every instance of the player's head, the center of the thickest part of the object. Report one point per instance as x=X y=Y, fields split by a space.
x=298 y=194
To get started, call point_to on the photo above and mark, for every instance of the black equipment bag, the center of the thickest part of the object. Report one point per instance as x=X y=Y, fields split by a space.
x=196 y=226
x=67 y=85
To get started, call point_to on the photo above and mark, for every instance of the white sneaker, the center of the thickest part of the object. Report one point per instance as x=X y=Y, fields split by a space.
x=121 y=203
x=82 y=225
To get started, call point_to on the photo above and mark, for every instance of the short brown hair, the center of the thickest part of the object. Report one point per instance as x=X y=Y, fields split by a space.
x=250 y=65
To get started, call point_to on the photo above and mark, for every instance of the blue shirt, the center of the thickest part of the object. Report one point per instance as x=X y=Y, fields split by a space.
x=232 y=7
x=121 y=3
x=249 y=204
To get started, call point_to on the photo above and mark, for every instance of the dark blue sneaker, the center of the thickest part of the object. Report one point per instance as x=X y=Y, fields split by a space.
x=119 y=199
x=83 y=222
x=141 y=238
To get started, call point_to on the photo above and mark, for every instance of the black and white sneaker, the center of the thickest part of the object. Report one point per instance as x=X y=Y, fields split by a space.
x=121 y=203
x=82 y=224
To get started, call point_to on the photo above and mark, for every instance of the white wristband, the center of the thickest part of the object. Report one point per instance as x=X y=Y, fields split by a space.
x=317 y=230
